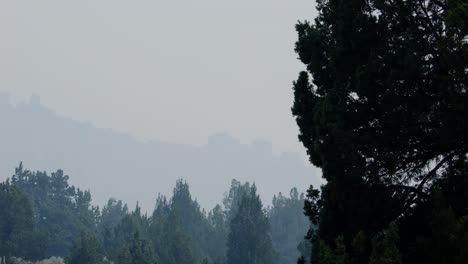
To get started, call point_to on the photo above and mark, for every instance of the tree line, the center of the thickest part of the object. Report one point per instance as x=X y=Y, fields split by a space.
x=43 y=216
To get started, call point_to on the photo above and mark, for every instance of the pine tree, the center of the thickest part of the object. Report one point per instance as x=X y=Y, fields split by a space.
x=139 y=251
x=18 y=234
x=381 y=110
x=385 y=250
x=86 y=249
x=61 y=210
x=288 y=226
x=249 y=240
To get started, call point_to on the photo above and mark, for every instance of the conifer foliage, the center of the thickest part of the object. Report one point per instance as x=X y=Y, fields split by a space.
x=381 y=110
x=42 y=215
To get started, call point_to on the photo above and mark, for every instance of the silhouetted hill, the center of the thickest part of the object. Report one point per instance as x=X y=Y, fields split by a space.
x=111 y=164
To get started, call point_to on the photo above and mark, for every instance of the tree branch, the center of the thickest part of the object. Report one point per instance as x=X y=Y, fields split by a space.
x=428 y=17
x=408 y=188
x=419 y=189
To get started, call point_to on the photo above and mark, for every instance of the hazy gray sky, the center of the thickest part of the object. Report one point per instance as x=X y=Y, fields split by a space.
x=177 y=71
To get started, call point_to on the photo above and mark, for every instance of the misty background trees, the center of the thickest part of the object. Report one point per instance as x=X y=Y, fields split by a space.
x=19 y=236
x=49 y=217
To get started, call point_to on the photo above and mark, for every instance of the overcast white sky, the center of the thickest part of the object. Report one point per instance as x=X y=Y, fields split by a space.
x=177 y=71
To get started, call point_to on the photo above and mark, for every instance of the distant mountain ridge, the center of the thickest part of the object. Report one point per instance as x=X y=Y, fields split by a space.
x=111 y=164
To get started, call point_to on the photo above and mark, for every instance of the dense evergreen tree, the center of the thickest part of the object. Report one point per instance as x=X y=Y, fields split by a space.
x=233 y=198
x=382 y=110
x=218 y=220
x=288 y=226
x=249 y=239
x=192 y=220
x=18 y=235
x=158 y=231
x=180 y=230
x=111 y=215
x=86 y=249
x=138 y=251
x=61 y=210
x=172 y=244
x=131 y=224
x=384 y=247
x=180 y=245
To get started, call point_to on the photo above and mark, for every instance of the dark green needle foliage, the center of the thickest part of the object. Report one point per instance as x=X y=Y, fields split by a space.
x=249 y=240
x=138 y=251
x=61 y=210
x=381 y=110
x=384 y=247
x=86 y=249
x=19 y=236
x=178 y=232
x=111 y=215
x=288 y=226
x=133 y=226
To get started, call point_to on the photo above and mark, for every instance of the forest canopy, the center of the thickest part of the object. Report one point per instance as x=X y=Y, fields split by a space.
x=43 y=216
